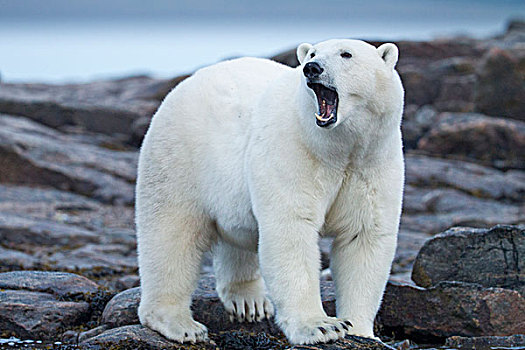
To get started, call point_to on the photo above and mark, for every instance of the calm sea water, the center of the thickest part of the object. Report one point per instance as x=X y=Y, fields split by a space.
x=59 y=51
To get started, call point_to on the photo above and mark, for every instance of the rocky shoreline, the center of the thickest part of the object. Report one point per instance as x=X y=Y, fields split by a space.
x=68 y=154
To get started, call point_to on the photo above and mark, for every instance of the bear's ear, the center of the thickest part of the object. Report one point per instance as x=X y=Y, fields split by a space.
x=389 y=53
x=302 y=50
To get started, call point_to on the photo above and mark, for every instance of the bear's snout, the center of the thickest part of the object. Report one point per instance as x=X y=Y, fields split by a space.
x=312 y=70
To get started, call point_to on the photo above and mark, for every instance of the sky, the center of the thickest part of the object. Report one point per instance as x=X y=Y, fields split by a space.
x=82 y=40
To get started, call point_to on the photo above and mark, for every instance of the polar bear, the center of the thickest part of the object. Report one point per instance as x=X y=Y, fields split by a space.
x=255 y=161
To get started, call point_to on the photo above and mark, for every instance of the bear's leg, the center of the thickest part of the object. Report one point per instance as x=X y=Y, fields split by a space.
x=290 y=262
x=170 y=244
x=360 y=268
x=239 y=283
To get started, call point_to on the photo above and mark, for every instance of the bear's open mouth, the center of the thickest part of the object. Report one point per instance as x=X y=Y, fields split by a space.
x=327 y=100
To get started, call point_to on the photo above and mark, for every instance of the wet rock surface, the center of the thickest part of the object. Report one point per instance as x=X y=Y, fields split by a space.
x=68 y=156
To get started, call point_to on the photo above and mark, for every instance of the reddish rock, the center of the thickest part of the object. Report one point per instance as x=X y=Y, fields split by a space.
x=495 y=141
x=37 y=315
x=42 y=305
x=500 y=90
x=449 y=309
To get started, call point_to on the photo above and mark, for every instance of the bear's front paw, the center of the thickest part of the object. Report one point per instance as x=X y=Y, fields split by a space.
x=318 y=330
x=246 y=302
x=174 y=325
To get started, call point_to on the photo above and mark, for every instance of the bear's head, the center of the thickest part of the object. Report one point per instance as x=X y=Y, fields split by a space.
x=349 y=80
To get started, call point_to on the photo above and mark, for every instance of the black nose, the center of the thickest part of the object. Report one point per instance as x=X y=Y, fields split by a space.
x=312 y=70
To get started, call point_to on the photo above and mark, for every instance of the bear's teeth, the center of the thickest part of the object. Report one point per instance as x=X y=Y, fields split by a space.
x=321 y=119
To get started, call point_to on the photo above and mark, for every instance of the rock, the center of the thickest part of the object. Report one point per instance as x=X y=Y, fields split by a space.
x=456 y=94
x=492 y=258
x=16 y=260
x=140 y=337
x=60 y=284
x=416 y=122
x=121 y=312
x=95 y=259
x=41 y=305
x=134 y=337
x=19 y=230
x=494 y=141
x=80 y=337
x=111 y=223
x=107 y=107
x=138 y=130
x=39 y=315
x=473 y=179
x=450 y=308
x=486 y=343
x=128 y=282
x=288 y=58
x=500 y=89
x=157 y=91
x=434 y=210
x=421 y=86
x=33 y=154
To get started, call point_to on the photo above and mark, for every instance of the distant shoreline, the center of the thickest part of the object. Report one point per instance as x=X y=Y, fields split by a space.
x=80 y=51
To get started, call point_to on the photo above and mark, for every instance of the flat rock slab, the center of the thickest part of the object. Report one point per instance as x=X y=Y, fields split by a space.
x=430 y=210
x=11 y=259
x=61 y=284
x=33 y=154
x=491 y=257
x=450 y=309
x=470 y=178
x=42 y=305
x=21 y=230
x=103 y=106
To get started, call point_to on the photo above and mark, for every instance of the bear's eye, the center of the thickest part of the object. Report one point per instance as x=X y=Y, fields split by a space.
x=312 y=55
x=346 y=55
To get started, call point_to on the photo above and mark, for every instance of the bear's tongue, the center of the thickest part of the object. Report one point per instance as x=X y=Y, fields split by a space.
x=325 y=109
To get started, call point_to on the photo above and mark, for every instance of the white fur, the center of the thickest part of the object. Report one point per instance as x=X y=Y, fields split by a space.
x=234 y=161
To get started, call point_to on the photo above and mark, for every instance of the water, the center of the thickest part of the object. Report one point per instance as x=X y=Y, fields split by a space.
x=59 y=50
